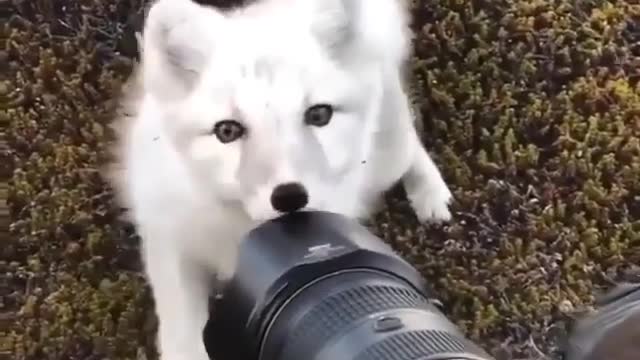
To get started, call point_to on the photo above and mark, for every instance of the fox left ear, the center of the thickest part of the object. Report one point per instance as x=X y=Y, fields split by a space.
x=363 y=29
x=178 y=40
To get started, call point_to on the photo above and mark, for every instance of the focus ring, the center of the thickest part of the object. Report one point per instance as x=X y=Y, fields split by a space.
x=337 y=312
x=413 y=345
x=363 y=315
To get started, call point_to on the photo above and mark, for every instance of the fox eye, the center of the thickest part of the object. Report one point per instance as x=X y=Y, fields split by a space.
x=228 y=130
x=318 y=115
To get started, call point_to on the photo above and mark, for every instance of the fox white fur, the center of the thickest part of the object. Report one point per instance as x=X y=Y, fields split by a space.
x=193 y=197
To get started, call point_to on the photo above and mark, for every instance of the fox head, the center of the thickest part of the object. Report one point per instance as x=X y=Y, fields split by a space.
x=270 y=106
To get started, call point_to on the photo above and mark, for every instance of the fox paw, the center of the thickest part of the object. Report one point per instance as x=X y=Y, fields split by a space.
x=431 y=204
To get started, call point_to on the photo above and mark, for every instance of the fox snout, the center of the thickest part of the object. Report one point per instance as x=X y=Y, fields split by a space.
x=289 y=197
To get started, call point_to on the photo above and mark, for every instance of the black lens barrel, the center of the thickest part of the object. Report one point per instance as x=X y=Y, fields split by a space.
x=363 y=315
x=318 y=286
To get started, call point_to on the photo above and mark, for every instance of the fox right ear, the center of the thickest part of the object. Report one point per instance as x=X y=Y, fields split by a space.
x=178 y=40
x=369 y=29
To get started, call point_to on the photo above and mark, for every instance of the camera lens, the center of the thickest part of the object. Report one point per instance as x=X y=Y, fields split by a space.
x=363 y=315
x=318 y=286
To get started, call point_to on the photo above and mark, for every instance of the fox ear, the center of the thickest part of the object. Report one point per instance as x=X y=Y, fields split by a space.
x=177 y=42
x=363 y=29
x=330 y=22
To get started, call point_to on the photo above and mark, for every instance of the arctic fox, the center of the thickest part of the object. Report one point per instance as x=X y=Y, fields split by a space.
x=241 y=115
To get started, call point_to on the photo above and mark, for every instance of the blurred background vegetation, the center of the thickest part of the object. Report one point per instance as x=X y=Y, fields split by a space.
x=531 y=109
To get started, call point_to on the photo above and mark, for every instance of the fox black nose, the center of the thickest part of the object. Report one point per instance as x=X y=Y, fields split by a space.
x=289 y=197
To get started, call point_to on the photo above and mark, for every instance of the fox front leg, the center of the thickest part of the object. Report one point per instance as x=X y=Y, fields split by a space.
x=181 y=301
x=426 y=189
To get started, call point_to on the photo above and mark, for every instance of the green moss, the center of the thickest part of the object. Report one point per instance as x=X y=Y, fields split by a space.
x=74 y=286
x=532 y=110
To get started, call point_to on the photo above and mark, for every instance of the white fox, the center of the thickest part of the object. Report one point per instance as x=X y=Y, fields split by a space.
x=239 y=116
